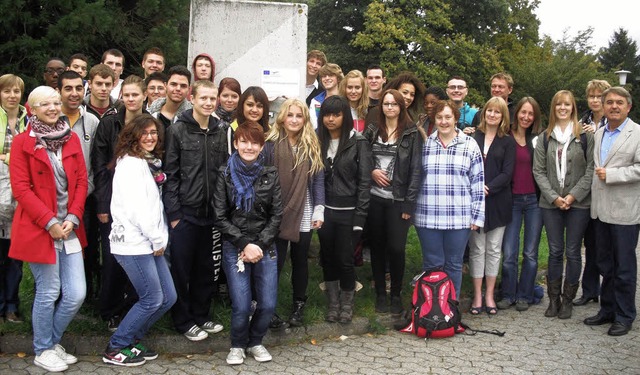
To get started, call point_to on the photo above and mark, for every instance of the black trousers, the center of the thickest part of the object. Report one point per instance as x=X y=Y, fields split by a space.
x=193 y=270
x=92 y=251
x=336 y=248
x=388 y=238
x=590 y=274
x=299 y=263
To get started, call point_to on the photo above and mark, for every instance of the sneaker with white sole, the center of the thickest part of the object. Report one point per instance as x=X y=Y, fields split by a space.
x=123 y=357
x=196 y=334
x=211 y=327
x=259 y=353
x=50 y=361
x=141 y=350
x=66 y=357
x=236 y=356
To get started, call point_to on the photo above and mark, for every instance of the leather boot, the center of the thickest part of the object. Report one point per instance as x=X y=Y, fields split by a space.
x=346 y=306
x=332 y=290
x=568 y=294
x=553 y=290
x=295 y=320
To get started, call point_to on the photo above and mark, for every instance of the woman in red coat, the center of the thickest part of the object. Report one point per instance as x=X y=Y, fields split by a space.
x=49 y=181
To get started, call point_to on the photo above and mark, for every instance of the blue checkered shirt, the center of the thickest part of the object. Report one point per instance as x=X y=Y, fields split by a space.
x=452 y=191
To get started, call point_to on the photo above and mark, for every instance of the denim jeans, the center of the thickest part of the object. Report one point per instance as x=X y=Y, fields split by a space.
x=262 y=278
x=444 y=249
x=152 y=280
x=64 y=279
x=525 y=206
x=575 y=222
x=10 y=276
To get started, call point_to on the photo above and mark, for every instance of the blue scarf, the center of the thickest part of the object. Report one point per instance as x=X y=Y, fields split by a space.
x=242 y=177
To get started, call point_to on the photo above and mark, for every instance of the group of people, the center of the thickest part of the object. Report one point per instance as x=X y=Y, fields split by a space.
x=180 y=183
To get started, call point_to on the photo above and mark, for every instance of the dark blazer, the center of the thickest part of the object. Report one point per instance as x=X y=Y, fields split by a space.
x=498 y=173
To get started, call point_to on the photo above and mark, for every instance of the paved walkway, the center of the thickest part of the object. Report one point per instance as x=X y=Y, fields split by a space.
x=532 y=344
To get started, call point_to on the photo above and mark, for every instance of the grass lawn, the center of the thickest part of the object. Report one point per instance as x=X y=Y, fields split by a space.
x=88 y=320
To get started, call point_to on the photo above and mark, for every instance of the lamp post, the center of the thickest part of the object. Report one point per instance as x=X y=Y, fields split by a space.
x=622 y=76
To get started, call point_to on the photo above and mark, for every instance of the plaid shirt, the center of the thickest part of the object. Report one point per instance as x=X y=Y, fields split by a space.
x=452 y=191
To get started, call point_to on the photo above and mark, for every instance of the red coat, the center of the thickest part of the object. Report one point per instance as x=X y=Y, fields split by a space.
x=34 y=187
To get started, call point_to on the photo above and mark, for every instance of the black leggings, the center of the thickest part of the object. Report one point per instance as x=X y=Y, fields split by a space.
x=299 y=263
x=336 y=248
x=388 y=238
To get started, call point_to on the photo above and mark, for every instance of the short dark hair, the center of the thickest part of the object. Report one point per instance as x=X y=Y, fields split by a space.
x=78 y=56
x=156 y=76
x=437 y=91
x=68 y=74
x=112 y=52
x=180 y=70
x=376 y=66
x=153 y=51
x=250 y=131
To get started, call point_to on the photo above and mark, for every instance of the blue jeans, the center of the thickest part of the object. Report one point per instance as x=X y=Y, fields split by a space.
x=525 y=206
x=444 y=249
x=152 y=280
x=64 y=279
x=10 y=277
x=575 y=222
x=262 y=277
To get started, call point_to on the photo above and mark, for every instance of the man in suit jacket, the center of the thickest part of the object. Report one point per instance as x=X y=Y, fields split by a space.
x=616 y=208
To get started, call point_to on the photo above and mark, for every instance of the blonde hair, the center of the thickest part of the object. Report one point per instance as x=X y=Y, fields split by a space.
x=308 y=143
x=363 y=104
x=597 y=85
x=496 y=102
x=41 y=93
x=577 y=129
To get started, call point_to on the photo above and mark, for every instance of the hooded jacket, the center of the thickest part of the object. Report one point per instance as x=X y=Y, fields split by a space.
x=213 y=66
x=192 y=159
x=156 y=107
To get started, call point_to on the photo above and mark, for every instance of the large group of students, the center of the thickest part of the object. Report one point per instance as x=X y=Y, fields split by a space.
x=146 y=192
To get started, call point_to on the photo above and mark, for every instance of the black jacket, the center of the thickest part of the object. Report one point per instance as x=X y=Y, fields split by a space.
x=259 y=226
x=406 y=171
x=192 y=159
x=104 y=145
x=498 y=173
x=347 y=181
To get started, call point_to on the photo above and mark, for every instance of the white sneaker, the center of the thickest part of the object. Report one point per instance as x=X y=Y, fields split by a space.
x=196 y=334
x=236 y=356
x=211 y=327
x=66 y=357
x=50 y=361
x=259 y=353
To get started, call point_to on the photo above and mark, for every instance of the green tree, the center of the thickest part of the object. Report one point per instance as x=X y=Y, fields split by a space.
x=622 y=53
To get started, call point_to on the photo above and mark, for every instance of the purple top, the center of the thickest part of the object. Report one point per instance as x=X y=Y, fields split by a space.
x=523 y=172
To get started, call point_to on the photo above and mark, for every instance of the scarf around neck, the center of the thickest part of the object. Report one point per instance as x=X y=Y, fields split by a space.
x=563 y=138
x=224 y=115
x=50 y=137
x=242 y=177
x=155 y=166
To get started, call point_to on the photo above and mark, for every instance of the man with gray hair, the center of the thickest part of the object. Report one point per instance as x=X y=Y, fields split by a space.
x=616 y=210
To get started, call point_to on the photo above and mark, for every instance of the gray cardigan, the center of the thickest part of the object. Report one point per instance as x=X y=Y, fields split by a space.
x=579 y=171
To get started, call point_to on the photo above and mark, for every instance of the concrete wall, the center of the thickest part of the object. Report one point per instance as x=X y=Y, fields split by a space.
x=254 y=42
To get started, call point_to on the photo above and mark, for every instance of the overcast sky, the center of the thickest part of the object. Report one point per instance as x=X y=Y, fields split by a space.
x=604 y=16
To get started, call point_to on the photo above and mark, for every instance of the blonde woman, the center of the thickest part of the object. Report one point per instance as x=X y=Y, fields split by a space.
x=498 y=152
x=293 y=147
x=353 y=88
x=563 y=169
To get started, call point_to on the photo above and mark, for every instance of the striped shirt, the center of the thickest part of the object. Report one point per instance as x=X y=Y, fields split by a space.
x=452 y=191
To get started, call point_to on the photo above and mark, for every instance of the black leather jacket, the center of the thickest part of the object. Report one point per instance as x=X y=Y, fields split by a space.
x=260 y=226
x=104 y=145
x=406 y=180
x=192 y=159
x=347 y=181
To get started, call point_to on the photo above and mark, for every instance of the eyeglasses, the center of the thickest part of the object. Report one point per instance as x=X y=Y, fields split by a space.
x=390 y=105
x=48 y=104
x=456 y=87
x=54 y=70
x=153 y=134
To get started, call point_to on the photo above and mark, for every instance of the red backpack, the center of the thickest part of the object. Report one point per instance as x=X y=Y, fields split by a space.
x=435 y=311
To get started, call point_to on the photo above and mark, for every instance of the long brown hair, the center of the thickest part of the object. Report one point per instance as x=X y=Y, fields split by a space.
x=129 y=139
x=403 y=119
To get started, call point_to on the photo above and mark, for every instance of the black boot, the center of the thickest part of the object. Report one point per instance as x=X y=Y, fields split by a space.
x=553 y=290
x=346 y=306
x=332 y=290
x=295 y=320
x=568 y=294
x=276 y=323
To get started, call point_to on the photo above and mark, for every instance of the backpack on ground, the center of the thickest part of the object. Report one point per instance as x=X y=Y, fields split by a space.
x=435 y=312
